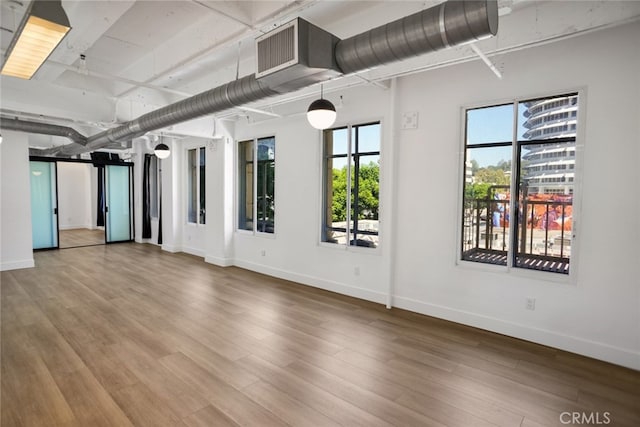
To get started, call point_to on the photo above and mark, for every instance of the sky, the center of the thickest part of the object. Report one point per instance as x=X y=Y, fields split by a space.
x=493 y=124
x=369 y=140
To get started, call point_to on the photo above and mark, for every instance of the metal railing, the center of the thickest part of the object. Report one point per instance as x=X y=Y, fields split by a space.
x=544 y=227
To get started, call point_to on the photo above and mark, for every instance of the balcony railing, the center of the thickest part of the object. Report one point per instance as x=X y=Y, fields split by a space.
x=543 y=237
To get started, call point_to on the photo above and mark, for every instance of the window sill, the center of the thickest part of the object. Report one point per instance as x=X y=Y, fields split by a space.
x=517 y=272
x=354 y=249
x=248 y=233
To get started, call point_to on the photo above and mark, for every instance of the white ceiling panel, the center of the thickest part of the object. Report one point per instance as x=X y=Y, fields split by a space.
x=150 y=23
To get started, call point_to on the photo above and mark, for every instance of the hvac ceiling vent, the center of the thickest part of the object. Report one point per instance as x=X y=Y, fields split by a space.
x=296 y=54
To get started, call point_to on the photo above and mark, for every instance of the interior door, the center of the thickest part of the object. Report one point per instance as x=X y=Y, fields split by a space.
x=44 y=204
x=119 y=206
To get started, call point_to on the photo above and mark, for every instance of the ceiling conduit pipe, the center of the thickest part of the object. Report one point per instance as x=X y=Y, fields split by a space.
x=43 y=128
x=448 y=24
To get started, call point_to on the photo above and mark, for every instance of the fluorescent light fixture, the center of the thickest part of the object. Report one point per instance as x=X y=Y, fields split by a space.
x=43 y=27
x=162 y=151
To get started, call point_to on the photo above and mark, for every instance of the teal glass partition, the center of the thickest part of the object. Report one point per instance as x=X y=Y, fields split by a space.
x=118 y=206
x=44 y=205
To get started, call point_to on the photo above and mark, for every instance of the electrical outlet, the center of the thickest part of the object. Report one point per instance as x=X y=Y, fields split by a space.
x=531 y=303
x=263 y=253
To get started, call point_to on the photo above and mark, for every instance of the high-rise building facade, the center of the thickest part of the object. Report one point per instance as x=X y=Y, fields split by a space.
x=550 y=168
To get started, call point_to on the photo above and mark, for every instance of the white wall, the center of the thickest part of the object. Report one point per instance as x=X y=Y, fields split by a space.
x=74 y=195
x=294 y=252
x=597 y=314
x=15 y=204
x=219 y=195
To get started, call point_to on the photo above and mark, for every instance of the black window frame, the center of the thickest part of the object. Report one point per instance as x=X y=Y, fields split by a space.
x=353 y=159
x=514 y=257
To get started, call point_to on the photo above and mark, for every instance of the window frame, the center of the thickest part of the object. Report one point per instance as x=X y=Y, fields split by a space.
x=349 y=156
x=200 y=210
x=254 y=161
x=510 y=268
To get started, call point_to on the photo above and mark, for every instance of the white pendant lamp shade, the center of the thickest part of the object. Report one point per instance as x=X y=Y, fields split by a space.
x=162 y=151
x=321 y=114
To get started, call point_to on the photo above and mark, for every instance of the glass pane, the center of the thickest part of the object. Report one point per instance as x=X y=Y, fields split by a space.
x=368 y=138
x=44 y=221
x=548 y=118
x=335 y=200
x=336 y=141
x=118 y=204
x=546 y=184
x=490 y=124
x=486 y=217
x=202 y=204
x=245 y=185
x=365 y=199
x=266 y=185
x=192 y=186
x=266 y=148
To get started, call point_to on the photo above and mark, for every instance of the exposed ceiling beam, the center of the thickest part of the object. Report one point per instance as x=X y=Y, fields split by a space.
x=112 y=77
x=225 y=14
x=282 y=14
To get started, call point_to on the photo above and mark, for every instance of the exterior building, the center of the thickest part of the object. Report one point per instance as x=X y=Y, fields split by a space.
x=549 y=169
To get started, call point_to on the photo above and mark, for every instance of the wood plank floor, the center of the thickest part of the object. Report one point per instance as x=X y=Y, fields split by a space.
x=126 y=334
x=77 y=237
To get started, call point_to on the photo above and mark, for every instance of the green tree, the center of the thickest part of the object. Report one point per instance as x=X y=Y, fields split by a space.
x=369 y=191
x=491 y=175
x=368 y=194
x=339 y=199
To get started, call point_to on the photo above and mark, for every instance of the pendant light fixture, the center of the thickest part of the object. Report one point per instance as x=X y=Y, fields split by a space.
x=321 y=113
x=162 y=150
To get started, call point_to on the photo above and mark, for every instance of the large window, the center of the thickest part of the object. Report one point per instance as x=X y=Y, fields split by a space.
x=536 y=161
x=256 y=190
x=196 y=166
x=351 y=185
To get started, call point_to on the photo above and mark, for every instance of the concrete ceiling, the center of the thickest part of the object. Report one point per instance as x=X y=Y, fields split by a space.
x=141 y=55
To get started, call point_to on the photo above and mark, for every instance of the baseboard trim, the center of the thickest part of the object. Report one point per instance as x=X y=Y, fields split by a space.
x=220 y=262
x=193 y=251
x=608 y=353
x=172 y=249
x=316 y=282
x=17 y=265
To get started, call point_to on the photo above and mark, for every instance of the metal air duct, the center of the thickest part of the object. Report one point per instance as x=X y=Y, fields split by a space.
x=233 y=94
x=448 y=24
x=43 y=128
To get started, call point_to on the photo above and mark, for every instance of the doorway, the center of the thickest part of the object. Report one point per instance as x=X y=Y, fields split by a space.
x=77 y=203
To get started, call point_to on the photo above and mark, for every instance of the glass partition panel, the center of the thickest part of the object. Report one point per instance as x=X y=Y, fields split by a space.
x=118 y=203
x=44 y=205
